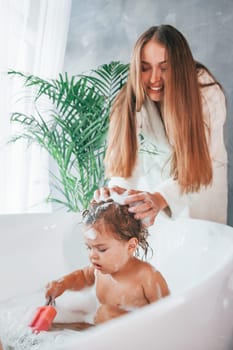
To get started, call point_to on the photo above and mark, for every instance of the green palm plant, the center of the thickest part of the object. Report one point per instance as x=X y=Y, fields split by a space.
x=72 y=129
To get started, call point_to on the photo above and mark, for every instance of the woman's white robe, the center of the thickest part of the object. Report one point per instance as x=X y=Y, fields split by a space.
x=152 y=171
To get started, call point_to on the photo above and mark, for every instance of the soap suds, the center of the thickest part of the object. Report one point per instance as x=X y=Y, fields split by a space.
x=119 y=198
x=90 y=234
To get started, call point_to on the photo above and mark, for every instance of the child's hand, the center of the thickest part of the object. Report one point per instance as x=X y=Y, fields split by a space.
x=55 y=288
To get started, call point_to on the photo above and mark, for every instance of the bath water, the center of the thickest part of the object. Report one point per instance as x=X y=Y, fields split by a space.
x=16 y=313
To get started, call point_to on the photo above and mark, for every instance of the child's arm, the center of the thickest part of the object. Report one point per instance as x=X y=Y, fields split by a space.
x=76 y=280
x=155 y=286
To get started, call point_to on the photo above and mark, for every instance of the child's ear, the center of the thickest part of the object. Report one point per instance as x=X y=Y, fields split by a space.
x=132 y=245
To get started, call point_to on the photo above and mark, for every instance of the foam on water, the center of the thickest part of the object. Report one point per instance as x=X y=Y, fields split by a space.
x=16 y=314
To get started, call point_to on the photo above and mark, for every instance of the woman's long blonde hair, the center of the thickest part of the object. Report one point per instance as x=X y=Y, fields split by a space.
x=183 y=118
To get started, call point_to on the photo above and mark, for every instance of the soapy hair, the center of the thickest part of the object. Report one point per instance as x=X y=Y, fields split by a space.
x=119 y=219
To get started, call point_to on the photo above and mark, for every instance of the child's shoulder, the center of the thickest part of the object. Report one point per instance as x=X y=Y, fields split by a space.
x=150 y=276
x=145 y=266
x=146 y=270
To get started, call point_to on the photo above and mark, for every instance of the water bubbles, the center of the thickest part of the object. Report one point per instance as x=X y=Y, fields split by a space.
x=15 y=315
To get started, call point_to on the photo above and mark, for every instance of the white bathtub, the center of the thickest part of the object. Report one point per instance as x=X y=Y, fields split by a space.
x=196 y=257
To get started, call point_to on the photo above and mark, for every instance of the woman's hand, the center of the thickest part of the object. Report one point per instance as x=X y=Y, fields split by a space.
x=145 y=205
x=108 y=312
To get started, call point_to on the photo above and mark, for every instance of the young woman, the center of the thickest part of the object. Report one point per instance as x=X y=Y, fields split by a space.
x=165 y=138
x=122 y=281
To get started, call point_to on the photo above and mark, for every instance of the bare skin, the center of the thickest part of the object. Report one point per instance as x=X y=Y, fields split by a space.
x=123 y=282
x=154 y=67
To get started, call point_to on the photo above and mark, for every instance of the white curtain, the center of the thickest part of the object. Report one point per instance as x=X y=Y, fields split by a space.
x=33 y=36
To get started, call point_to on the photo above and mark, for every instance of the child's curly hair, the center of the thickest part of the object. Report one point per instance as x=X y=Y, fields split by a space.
x=121 y=221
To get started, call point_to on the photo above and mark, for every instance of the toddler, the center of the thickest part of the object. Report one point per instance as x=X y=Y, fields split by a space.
x=123 y=282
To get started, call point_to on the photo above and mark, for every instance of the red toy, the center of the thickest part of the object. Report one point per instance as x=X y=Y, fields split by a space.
x=44 y=317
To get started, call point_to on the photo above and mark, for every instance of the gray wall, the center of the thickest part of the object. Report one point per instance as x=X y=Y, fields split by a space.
x=105 y=30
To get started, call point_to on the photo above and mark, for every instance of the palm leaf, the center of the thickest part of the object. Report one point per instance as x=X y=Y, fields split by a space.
x=71 y=123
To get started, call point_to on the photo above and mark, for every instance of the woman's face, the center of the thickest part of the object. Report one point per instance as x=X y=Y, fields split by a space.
x=153 y=69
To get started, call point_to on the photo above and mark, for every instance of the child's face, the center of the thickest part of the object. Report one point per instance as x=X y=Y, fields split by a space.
x=106 y=253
